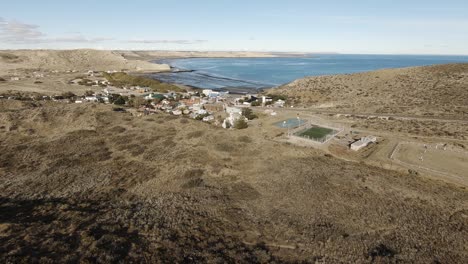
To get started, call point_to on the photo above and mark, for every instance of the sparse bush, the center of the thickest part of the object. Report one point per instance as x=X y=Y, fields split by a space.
x=137 y=102
x=2 y=80
x=118 y=109
x=121 y=79
x=255 y=103
x=120 y=101
x=277 y=97
x=200 y=117
x=381 y=251
x=241 y=124
x=249 y=114
x=89 y=93
x=68 y=95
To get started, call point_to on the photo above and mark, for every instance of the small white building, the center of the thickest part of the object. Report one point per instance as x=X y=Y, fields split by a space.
x=363 y=142
x=196 y=107
x=177 y=112
x=207 y=92
x=208 y=118
x=91 y=98
x=266 y=99
x=279 y=103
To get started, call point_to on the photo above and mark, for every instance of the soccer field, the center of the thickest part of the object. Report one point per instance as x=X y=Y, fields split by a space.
x=446 y=161
x=315 y=132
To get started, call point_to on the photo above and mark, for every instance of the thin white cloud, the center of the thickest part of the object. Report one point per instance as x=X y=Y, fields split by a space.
x=166 y=41
x=77 y=39
x=15 y=32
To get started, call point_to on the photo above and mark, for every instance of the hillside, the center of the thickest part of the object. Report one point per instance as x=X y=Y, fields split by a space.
x=154 y=55
x=81 y=183
x=432 y=90
x=80 y=60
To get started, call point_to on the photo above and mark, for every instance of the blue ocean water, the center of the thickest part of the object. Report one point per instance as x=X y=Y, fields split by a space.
x=218 y=73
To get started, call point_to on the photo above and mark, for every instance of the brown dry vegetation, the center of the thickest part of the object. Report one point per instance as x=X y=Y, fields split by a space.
x=15 y=61
x=432 y=90
x=425 y=128
x=81 y=183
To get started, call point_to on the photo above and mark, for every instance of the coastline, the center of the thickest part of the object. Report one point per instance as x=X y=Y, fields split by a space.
x=174 y=70
x=160 y=55
x=236 y=75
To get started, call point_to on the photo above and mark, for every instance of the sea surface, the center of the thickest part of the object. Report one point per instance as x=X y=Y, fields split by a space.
x=256 y=73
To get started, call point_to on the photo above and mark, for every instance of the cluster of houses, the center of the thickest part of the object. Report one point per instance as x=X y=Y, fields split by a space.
x=36 y=75
x=203 y=106
x=88 y=82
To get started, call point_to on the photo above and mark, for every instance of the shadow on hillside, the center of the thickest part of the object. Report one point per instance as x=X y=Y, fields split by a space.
x=61 y=229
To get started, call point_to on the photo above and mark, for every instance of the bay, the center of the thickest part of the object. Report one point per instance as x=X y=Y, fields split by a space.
x=256 y=73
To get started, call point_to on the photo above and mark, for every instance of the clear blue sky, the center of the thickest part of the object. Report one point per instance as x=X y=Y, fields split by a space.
x=380 y=26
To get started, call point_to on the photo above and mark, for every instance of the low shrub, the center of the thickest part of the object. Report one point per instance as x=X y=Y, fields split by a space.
x=241 y=124
x=249 y=114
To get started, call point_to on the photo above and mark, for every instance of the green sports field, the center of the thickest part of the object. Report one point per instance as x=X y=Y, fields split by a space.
x=315 y=132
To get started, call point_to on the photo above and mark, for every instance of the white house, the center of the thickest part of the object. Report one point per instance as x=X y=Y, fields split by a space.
x=207 y=92
x=363 y=142
x=266 y=99
x=91 y=98
x=214 y=94
x=177 y=112
x=208 y=118
x=279 y=103
x=196 y=107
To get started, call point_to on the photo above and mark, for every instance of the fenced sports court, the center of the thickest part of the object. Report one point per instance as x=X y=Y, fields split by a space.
x=306 y=129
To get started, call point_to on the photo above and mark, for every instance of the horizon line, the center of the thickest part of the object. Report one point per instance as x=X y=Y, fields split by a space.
x=253 y=51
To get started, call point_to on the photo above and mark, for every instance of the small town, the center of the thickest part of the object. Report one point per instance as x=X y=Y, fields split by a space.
x=234 y=131
x=218 y=108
